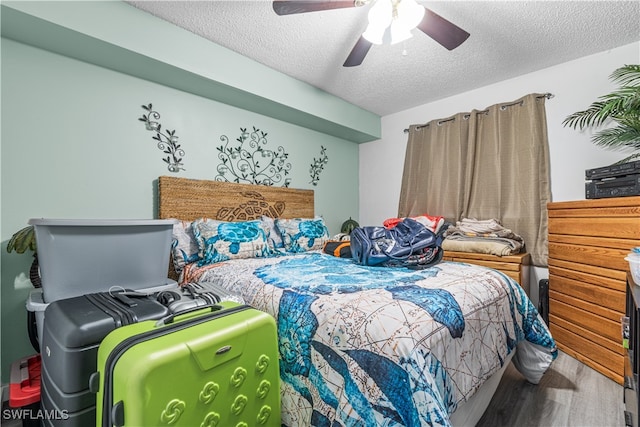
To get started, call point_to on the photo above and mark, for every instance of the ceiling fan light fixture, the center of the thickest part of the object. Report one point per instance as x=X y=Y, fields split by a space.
x=398 y=33
x=374 y=34
x=391 y=21
x=409 y=14
x=380 y=17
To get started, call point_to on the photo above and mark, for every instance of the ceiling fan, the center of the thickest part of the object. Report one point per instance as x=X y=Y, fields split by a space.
x=389 y=21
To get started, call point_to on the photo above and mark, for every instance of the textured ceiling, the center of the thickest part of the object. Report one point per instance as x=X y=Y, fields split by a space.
x=508 y=39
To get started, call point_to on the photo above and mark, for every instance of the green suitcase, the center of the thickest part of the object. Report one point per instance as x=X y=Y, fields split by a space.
x=216 y=366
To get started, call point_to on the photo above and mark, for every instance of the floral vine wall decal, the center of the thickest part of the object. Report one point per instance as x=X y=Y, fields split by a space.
x=167 y=140
x=318 y=165
x=250 y=163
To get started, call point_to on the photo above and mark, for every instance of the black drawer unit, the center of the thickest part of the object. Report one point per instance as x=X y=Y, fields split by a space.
x=631 y=336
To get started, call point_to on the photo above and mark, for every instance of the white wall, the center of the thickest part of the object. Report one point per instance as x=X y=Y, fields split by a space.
x=575 y=85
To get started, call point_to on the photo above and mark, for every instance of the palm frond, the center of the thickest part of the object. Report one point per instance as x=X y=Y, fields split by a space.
x=22 y=240
x=621 y=95
x=630 y=120
x=630 y=158
x=632 y=102
x=620 y=137
x=592 y=116
x=628 y=75
x=621 y=106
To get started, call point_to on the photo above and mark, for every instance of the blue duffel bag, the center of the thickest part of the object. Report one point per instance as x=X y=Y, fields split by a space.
x=409 y=244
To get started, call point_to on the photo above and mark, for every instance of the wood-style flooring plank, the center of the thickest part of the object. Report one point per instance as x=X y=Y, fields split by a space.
x=569 y=394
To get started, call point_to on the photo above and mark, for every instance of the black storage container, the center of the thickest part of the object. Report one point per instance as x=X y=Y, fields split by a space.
x=543 y=298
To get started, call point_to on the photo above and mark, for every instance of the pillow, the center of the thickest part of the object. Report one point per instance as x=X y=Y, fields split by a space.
x=184 y=246
x=222 y=240
x=273 y=237
x=303 y=234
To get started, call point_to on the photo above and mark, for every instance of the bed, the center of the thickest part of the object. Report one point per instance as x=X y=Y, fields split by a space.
x=359 y=346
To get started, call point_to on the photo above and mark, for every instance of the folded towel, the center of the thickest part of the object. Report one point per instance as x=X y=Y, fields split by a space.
x=482 y=236
x=486 y=228
x=479 y=246
x=479 y=226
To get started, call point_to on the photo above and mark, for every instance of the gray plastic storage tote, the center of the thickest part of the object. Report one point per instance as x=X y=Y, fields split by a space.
x=77 y=256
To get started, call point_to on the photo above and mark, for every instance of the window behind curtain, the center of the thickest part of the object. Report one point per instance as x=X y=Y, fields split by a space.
x=484 y=164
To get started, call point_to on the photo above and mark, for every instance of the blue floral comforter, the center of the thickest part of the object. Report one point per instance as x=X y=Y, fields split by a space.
x=379 y=346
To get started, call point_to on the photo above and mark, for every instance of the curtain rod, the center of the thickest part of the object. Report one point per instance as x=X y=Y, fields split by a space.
x=546 y=95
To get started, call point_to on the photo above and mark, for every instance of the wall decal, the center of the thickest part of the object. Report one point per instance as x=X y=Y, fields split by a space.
x=318 y=165
x=167 y=140
x=249 y=163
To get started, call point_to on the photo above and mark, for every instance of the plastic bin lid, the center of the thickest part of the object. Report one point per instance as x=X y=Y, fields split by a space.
x=99 y=222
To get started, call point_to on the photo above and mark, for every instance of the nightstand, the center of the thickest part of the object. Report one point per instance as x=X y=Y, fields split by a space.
x=514 y=266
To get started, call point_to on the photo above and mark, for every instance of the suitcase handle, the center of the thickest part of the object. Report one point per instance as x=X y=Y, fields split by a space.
x=171 y=318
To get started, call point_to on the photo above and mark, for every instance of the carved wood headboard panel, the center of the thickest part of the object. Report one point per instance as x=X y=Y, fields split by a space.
x=190 y=199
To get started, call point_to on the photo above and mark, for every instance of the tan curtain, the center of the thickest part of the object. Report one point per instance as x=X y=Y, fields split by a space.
x=484 y=164
x=429 y=183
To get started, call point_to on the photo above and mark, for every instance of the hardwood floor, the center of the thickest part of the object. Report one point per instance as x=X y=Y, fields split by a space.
x=569 y=394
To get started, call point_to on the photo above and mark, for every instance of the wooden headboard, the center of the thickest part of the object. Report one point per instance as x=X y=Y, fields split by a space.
x=189 y=199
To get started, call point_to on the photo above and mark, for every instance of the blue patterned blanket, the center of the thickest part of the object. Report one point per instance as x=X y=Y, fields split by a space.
x=378 y=346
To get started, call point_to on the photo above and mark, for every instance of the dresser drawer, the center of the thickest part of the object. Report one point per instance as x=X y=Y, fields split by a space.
x=590 y=255
x=613 y=227
x=514 y=266
x=588 y=292
x=609 y=363
x=580 y=320
x=589 y=273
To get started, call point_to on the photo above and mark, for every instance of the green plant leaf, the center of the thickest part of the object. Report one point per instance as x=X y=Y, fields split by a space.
x=621 y=106
x=618 y=137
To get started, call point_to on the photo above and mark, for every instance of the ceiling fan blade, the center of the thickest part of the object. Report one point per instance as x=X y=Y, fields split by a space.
x=444 y=32
x=289 y=7
x=358 y=52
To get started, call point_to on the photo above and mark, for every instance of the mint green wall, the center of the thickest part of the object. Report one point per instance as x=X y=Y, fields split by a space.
x=117 y=36
x=72 y=147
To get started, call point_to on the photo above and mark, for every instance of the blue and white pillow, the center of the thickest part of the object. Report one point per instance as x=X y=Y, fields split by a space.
x=221 y=240
x=184 y=246
x=273 y=237
x=303 y=234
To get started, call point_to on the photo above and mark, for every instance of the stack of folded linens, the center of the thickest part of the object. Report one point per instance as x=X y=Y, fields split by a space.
x=482 y=236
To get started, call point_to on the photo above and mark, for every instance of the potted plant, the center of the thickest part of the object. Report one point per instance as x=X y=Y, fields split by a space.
x=22 y=240
x=621 y=106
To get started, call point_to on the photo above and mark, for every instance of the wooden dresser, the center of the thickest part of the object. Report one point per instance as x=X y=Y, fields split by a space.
x=514 y=266
x=588 y=240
